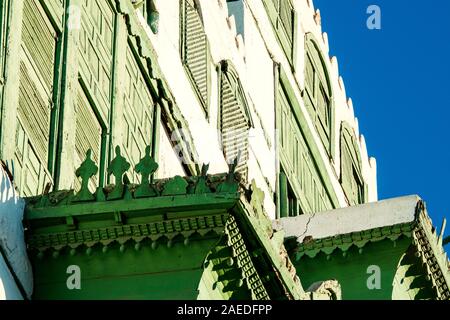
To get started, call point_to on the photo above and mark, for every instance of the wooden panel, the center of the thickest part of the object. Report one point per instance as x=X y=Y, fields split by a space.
x=310 y=75
x=282 y=15
x=351 y=177
x=96 y=51
x=234 y=125
x=39 y=40
x=196 y=51
x=287 y=19
x=318 y=93
x=56 y=7
x=30 y=174
x=88 y=135
x=137 y=113
x=298 y=162
x=4 y=17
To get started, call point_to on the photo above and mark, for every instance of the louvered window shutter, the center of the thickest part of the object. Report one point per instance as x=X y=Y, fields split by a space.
x=318 y=97
x=234 y=124
x=37 y=61
x=351 y=178
x=286 y=15
x=195 y=51
x=347 y=171
x=282 y=15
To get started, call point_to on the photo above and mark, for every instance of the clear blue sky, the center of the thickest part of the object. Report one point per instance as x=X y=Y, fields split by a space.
x=398 y=79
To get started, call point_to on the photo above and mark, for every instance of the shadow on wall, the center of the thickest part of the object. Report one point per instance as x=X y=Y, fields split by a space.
x=13 y=257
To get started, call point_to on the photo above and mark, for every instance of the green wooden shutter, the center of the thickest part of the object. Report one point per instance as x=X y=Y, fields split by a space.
x=346 y=172
x=4 y=30
x=351 y=175
x=310 y=75
x=324 y=114
x=234 y=124
x=96 y=49
x=88 y=135
x=286 y=14
x=318 y=98
x=282 y=15
x=39 y=40
x=36 y=76
x=137 y=114
x=273 y=9
x=196 y=51
x=298 y=162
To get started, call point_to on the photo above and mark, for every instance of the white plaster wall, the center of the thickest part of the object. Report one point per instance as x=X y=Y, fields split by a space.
x=169 y=164
x=253 y=56
x=12 y=242
x=204 y=132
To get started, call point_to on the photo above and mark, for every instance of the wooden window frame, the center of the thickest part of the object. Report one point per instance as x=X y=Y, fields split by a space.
x=282 y=82
x=289 y=48
x=348 y=143
x=321 y=81
x=54 y=14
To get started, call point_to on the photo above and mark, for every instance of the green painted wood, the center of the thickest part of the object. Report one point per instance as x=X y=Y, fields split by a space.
x=318 y=95
x=70 y=80
x=70 y=86
x=411 y=281
x=316 y=182
x=351 y=167
x=96 y=49
x=349 y=268
x=138 y=113
x=4 y=21
x=156 y=266
x=298 y=162
x=97 y=73
x=150 y=204
x=88 y=135
x=284 y=21
x=36 y=77
x=194 y=50
x=10 y=97
x=151 y=272
x=269 y=250
x=85 y=172
x=284 y=205
x=55 y=12
x=146 y=168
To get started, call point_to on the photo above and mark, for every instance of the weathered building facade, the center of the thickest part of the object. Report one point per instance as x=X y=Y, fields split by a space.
x=154 y=141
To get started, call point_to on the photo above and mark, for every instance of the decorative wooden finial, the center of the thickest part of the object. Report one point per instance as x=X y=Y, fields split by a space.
x=86 y=170
x=201 y=185
x=175 y=186
x=146 y=167
x=118 y=166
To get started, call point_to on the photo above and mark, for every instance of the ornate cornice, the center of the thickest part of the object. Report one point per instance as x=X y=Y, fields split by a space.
x=180 y=229
x=311 y=247
x=421 y=231
x=433 y=256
